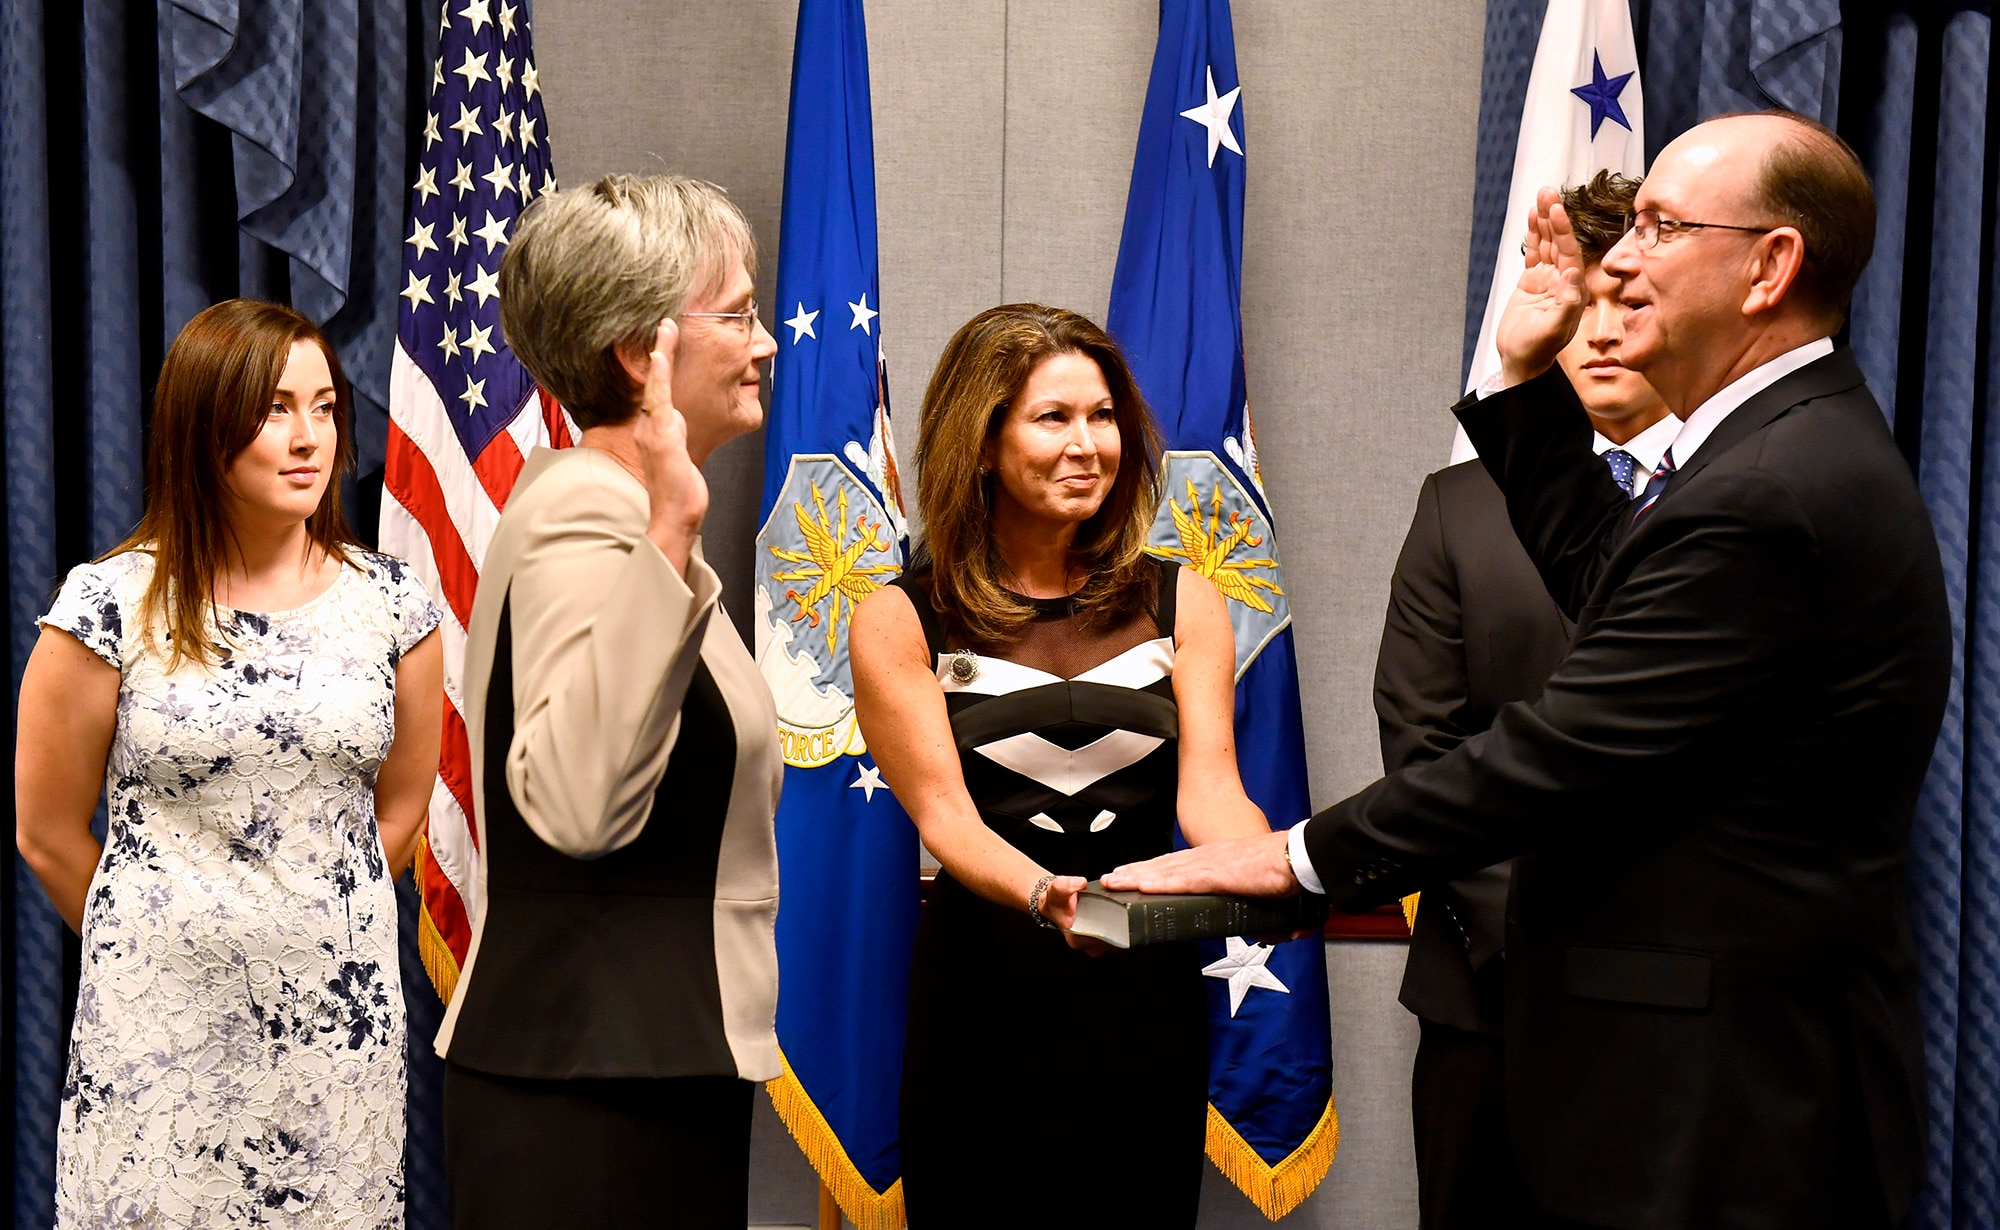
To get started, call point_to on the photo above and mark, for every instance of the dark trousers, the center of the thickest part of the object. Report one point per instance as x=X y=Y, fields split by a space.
x=1466 y=1172
x=1466 y=1177
x=588 y=1154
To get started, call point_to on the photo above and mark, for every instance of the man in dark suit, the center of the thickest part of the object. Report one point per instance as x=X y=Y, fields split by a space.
x=1711 y=989
x=1470 y=628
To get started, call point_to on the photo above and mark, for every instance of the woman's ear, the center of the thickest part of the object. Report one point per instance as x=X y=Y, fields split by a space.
x=637 y=362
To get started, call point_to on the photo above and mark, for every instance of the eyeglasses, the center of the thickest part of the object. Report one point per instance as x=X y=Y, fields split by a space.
x=747 y=317
x=1647 y=224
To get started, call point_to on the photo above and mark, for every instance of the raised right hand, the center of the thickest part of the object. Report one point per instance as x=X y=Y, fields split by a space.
x=676 y=492
x=1542 y=314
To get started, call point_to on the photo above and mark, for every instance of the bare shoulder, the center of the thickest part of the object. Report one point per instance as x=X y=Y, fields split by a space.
x=887 y=615
x=1199 y=603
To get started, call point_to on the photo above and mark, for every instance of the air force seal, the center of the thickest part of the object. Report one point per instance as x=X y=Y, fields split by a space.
x=827 y=544
x=1211 y=523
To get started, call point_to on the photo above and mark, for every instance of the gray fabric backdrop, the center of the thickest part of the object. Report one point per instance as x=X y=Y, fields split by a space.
x=1004 y=133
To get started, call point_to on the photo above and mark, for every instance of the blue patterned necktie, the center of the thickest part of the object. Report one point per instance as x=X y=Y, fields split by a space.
x=1657 y=485
x=1623 y=466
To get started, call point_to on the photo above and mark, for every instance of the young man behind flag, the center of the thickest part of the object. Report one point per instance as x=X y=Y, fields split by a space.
x=463 y=413
x=1584 y=113
x=833 y=533
x=1176 y=308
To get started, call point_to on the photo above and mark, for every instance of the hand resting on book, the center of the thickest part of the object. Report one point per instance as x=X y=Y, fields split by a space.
x=1243 y=867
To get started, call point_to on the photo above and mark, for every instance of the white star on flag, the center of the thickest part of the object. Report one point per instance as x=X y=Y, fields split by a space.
x=503 y=124
x=420 y=237
x=494 y=232
x=1243 y=966
x=451 y=290
x=869 y=782
x=426 y=186
x=467 y=123
x=437 y=65
x=501 y=177
x=802 y=324
x=1214 y=116
x=485 y=285
x=457 y=235
x=527 y=132
x=479 y=13
x=477 y=341
x=507 y=12
x=505 y=71
x=863 y=315
x=449 y=342
x=474 y=68
x=530 y=82
x=418 y=291
x=475 y=394
x=431 y=134
x=461 y=179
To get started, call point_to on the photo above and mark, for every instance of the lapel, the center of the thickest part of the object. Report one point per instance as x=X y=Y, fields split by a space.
x=1836 y=373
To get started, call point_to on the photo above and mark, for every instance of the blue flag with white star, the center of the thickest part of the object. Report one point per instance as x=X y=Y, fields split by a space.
x=1176 y=308
x=832 y=533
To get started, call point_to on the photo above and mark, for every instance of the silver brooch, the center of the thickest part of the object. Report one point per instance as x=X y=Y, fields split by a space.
x=964 y=666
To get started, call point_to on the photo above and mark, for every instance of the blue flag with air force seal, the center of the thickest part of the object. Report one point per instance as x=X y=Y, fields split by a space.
x=1176 y=308
x=832 y=533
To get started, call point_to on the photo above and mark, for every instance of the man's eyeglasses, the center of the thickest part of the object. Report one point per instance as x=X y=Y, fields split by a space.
x=1647 y=224
x=747 y=317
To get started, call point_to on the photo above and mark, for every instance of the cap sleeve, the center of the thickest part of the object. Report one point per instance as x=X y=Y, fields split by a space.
x=94 y=607
x=412 y=613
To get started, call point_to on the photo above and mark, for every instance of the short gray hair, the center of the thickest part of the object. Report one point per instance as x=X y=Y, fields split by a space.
x=595 y=269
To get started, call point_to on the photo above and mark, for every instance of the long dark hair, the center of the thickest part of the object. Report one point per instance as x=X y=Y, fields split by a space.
x=214 y=392
x=984 y=367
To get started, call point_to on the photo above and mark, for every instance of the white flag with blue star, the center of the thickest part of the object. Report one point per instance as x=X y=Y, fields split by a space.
x=1583 y=113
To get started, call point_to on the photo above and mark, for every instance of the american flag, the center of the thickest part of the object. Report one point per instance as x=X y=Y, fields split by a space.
x=463 y=413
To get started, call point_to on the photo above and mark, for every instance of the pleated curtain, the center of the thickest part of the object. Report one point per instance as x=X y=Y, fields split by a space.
x=1907 y=83
x=154 y=159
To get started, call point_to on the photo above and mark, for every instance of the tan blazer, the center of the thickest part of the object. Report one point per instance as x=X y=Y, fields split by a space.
x=606 y=637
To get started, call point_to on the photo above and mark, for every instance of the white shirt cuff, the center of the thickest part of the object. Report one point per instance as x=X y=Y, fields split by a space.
x=1302 y=867
x=1493 y=383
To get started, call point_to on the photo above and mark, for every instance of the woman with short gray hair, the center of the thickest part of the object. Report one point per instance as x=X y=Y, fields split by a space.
x=619 y=997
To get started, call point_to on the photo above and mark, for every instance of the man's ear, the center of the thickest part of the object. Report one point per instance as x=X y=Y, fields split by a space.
x=1775 y=262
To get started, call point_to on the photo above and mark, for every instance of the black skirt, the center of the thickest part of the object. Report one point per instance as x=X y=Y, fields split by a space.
x=1042 y=1086
x=554 y=1154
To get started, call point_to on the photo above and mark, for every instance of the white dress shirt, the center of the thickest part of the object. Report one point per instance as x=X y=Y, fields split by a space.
x=1709 y=415
x=1684 y=438
x=1646 y=449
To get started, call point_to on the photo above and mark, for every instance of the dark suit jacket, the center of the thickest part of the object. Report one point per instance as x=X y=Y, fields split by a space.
x=1711 y=1008
x=1470 y=627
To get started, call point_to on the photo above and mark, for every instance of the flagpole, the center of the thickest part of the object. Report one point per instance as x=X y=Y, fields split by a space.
x=829 y=1209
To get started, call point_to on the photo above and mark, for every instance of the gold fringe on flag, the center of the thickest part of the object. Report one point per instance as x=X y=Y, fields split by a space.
x=438 y=961
x=867 y=1208
x=1410 y=911
x=1275 y=1190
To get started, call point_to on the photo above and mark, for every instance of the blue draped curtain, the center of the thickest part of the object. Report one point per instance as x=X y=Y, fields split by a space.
x=1906 y=82
x=154 y=159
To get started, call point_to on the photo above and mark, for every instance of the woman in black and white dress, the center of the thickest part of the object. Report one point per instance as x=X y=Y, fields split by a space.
x=1048 y=701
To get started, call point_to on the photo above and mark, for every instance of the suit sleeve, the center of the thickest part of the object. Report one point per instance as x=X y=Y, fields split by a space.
x=606 y=639
x=1687 y=655
x=1420 y=672
x=1535 y=440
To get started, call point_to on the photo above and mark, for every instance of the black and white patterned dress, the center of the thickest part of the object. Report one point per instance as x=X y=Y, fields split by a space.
x=1042 y=1086
x=237 y=1058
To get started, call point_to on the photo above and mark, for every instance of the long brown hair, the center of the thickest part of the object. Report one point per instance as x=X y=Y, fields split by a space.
x=213 y=395
x=982 y=371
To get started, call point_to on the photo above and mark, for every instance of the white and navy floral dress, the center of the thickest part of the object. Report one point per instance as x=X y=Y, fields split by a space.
x=237 y=1058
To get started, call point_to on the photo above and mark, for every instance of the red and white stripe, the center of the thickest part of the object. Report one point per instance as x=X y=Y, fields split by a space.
x=439 y=513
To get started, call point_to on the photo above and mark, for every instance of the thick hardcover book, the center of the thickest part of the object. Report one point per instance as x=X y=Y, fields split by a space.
x=1129 y=920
